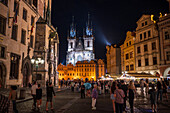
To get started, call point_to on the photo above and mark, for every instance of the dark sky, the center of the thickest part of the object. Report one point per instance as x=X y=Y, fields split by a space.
x=111 y=19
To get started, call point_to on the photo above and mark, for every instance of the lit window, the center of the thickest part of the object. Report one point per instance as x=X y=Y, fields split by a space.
x=146 y=62
x=24 y=14
x=145 y=48
x=153 y=45
x=149 y=33
x=139 y=63
x=154 y=60
x=2 y=25
x=168 y=55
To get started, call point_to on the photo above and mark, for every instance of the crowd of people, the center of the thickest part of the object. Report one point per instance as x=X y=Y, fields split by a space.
x=120 y=92
x=36 y=92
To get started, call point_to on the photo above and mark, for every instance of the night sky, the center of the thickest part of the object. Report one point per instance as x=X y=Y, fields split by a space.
x=111 y=19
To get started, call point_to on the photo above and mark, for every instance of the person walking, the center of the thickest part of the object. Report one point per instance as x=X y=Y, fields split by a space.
x=33 y=92
x=147 y=87
x=119 y=99
x=13 y=96
x=165 y=90
x=142 y=87
x=106 y=88
x=72 y=86
x=124 y=88
x=100 y=89
x=50 y=93
x=94 y=97
x=159 y=90
x=112 y=95
x=39 y=96
x=153 y=98
x=82 y=90
x=131 y=91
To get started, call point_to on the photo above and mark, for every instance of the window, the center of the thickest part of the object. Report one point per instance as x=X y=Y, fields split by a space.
x=14 y=68
x=35 y=3
x=129 y=42
x=2 y=52
x=149 y=33
x=14 y=32
x=127 y=68
x=16 y=7
x=166 y=35
x=131 y=54
x=138 y=49
x=145 y=48
x=139 y=63
x=5 y=2
x=32 y=20
x=2 y=25
x=140 y=36
x=131 y=67
x=31 y=41
x=168 y=55
x=127 y=56
x=146 y=62
x=71 y=44
x=146 y=23
x=144 y=34
x=24 y=14
x=23 y=36
x=154 y=60
x=153 y=45
x=142 y=24
x=88 y=43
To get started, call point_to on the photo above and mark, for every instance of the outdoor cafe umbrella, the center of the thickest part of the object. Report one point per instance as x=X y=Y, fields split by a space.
x=87 y=85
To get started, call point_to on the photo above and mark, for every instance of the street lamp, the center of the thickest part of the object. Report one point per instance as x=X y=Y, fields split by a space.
x=36 y=61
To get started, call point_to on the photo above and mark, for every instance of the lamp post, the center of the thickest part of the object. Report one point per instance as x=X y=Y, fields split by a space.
x=36 y=61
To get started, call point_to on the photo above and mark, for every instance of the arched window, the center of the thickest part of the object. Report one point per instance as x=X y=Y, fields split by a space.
x=71 y=44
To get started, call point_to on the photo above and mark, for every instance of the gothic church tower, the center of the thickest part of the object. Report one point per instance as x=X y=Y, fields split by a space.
x=72 y=37
x=88 y=37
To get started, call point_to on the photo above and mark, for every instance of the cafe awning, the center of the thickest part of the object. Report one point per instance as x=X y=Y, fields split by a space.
x=142 y=75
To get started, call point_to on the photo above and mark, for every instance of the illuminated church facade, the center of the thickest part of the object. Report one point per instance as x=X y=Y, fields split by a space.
x=82 y=48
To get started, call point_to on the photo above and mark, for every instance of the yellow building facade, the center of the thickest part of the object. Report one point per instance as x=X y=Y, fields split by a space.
x=82 y=70
x=127 y=53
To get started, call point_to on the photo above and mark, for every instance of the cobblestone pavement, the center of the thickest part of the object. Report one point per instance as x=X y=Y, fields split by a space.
x=70 y=102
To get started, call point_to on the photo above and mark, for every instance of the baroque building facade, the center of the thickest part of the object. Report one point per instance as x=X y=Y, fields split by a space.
x=164 y=35
x=128 y=53
x=147 y=49
x=113 y=56
x=78 y=50
x=83 y=70
x=17 y=38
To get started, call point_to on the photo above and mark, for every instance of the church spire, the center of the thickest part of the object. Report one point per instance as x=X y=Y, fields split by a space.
x=72 y=29
x=88 y=27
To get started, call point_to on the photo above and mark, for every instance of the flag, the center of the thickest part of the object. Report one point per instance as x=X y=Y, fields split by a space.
x=16 y=13
x=32 y=27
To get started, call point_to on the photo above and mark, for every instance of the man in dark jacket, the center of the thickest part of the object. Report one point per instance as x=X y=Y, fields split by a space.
x=82 y=90
x=50 y=93
x=124 y=88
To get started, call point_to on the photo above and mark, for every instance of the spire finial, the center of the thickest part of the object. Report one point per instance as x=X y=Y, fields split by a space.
x=72 y=19
x=88 y=18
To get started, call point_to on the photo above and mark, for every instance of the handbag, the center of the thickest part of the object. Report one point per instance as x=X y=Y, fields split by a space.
x=112 y=96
